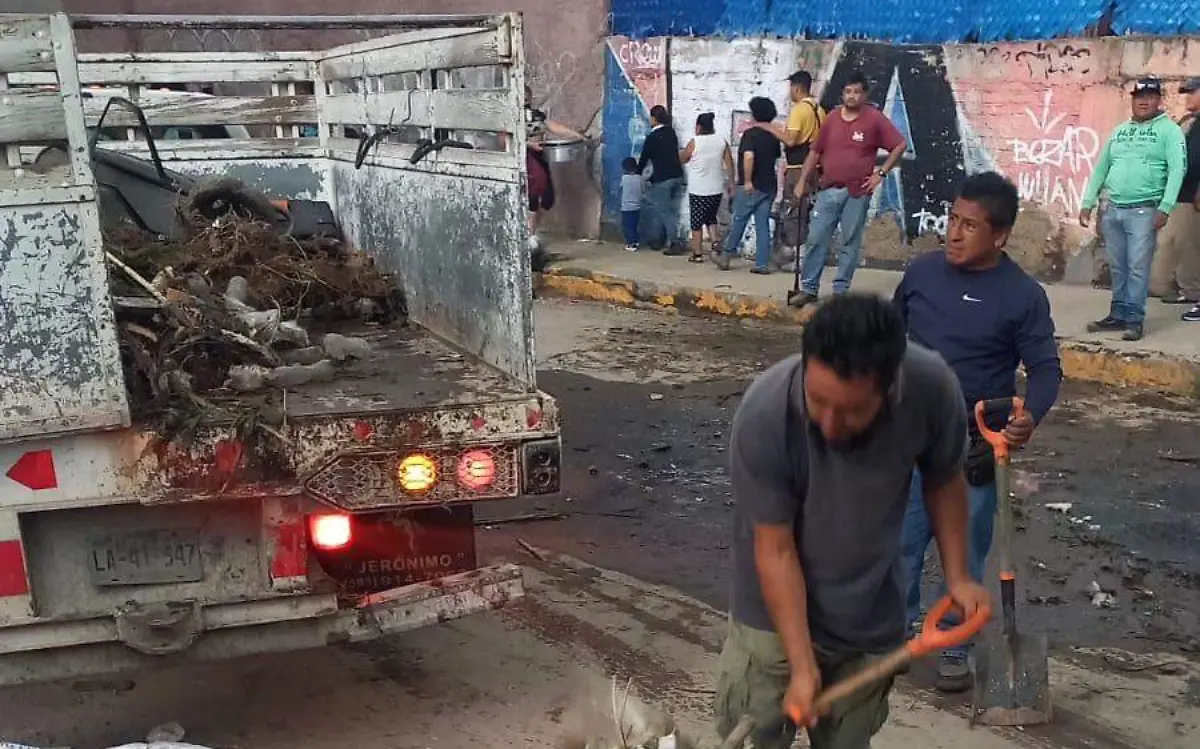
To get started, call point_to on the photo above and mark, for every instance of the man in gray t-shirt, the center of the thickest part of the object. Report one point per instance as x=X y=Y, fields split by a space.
x=823 y=450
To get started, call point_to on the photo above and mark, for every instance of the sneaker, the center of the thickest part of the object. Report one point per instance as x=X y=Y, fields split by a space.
x=1176 y=297
x=760 y=271
x=1133 y=332
x=676 y=251
x=1192 y=315
x=953 y=673
x=1106 y=325
x=631 y=248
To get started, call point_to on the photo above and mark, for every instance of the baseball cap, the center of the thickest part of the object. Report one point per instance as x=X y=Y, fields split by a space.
x=800 y=78
x=1147 y=85
x=1190 y=85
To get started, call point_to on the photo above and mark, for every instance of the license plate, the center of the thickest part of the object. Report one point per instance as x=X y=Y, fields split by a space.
x=146 y=558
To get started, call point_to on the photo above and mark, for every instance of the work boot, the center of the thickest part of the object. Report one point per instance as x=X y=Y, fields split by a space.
x=953 y=672
x=1133 y=332
x=802 y=299
x=1107 y=325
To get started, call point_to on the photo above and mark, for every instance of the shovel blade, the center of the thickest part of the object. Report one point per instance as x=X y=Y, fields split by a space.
x=1012 y=681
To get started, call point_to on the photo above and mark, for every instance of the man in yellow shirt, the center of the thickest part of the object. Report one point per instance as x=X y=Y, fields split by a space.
x=803 y=125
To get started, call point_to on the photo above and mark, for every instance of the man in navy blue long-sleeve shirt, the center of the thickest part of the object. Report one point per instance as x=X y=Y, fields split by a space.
x=985 y=315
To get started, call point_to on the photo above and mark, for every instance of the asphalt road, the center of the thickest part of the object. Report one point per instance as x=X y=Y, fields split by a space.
x=633 y=580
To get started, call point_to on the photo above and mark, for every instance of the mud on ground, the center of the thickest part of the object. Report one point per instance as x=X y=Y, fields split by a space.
x=647 y=400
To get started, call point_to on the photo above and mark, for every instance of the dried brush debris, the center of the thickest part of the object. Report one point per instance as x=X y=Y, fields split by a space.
x=226 y=295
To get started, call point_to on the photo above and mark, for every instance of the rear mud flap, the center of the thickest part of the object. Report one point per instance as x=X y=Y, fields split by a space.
x=424 y=604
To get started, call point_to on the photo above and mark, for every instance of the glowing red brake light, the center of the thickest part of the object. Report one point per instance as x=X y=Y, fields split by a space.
x=476 y=470
x=330 y=532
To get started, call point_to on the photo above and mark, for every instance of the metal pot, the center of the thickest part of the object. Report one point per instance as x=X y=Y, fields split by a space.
x=564 y=151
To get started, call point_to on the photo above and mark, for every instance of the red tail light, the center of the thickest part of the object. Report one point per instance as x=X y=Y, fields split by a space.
x=330 y=532
x=476 y=470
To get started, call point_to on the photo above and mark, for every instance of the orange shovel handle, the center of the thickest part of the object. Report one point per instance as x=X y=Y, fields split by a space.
x=994 y=438
x=931 y=639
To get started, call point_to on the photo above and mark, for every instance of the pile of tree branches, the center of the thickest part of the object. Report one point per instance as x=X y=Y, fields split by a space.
x=219 y=312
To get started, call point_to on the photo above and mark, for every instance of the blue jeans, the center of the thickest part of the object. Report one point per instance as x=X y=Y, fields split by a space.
x=1129 y=238
x=662 y=202
x=833 y=207
x=629 y=226
x=918 y=532
x=746 y=205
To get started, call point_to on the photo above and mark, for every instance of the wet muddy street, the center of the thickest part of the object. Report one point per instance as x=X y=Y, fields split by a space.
x=626 y=577
x=1108 y=492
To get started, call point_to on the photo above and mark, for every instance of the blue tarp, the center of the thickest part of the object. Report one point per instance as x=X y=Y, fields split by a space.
x=1157 y=17
x=900 y=21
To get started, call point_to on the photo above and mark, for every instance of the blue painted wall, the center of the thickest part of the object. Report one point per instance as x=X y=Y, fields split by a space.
x=900 y=21
x=626 y=123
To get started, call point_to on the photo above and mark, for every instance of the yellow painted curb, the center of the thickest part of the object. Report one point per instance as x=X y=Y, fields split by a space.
x=573 y=283
x=1082 y=361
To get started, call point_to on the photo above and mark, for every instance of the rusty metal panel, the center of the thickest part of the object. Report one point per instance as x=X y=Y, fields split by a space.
x=25 y=43
x=457 y=244
x=453 y=227
x=32 y=116
x=60 y=368
x=217 y=110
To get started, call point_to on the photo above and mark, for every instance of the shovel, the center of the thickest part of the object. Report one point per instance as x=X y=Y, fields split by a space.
x=795 y=297
x=931 y=639
x=1012 y=679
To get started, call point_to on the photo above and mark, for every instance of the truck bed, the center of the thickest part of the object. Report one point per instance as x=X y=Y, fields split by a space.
x=409 y=368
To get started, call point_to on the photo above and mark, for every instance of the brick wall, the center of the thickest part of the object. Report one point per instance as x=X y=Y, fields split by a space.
x=564 y=50
x=1038 y=112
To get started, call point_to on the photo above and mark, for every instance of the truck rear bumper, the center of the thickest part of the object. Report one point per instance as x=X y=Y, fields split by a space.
x=50 y=651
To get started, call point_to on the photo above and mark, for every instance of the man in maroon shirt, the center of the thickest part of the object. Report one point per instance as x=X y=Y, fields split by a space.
x=847 y=153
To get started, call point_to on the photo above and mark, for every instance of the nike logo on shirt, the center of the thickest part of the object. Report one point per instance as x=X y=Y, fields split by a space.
x=969 y=298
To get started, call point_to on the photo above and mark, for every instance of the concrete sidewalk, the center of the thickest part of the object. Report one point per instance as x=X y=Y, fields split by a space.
x=1167 y=359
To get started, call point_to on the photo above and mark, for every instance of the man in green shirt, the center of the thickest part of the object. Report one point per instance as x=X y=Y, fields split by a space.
x=1141 y=168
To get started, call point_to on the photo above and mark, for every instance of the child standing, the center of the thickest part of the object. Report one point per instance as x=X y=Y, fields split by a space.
x=631 y=203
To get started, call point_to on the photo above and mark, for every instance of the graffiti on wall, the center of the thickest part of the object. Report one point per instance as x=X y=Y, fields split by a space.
x=1043 y=60
x=551 y=73
x=645 y=64
x=635 y=81
x=1053 y=162
x=1039 y=112
x=909 y=85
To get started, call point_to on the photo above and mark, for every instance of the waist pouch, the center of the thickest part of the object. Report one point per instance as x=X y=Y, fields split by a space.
x=980 y=466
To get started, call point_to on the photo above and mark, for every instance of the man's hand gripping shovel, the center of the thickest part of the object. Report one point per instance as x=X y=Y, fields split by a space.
x=931 y=639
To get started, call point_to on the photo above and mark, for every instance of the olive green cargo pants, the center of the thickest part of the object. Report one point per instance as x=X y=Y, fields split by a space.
x=752 y=677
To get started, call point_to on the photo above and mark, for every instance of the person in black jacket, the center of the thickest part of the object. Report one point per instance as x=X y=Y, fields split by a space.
x=1179 y=243
x=664 y=195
